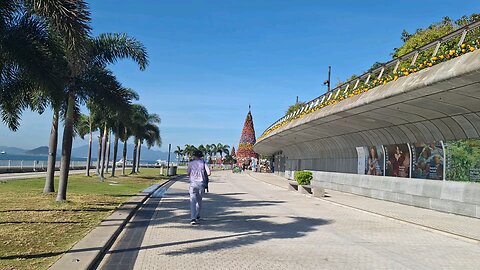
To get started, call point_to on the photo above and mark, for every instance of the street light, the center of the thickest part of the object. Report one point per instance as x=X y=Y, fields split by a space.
x=327 y=82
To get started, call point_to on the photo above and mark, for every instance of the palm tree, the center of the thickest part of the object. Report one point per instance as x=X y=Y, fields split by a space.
x=88 y=125
x=222 y=149
x=179 y=153
x=84 y=127
x=107 y=48
x=32 y=64
x=119 y=126
x=150 y=134
x=202 y=149
x=33 y=70
x=189 y=150
x=136 y=123
x=124 y=135
x=213 y=150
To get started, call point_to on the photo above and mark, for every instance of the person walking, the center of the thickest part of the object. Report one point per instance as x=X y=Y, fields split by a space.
x=196 y=171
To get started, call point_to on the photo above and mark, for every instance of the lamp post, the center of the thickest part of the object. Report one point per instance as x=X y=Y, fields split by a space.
x=327 y=82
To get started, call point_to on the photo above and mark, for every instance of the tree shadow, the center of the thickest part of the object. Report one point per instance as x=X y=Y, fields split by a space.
x=224 y=213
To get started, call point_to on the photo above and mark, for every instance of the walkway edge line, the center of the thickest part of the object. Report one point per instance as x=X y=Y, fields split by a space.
x=84 y=255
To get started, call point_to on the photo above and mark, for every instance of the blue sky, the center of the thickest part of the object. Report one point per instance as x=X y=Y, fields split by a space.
x=210 y=59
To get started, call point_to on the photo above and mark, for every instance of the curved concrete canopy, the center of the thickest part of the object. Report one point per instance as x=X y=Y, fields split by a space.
x=438 y=103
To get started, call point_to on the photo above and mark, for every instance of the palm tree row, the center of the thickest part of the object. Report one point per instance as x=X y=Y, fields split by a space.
x=48 y=58
x=210 y=150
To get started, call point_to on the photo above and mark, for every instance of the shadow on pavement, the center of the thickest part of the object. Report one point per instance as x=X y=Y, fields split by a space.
x=223 y=214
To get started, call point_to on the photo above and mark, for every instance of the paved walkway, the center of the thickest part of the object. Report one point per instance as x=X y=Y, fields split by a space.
x=250 y=224
x=462 y=226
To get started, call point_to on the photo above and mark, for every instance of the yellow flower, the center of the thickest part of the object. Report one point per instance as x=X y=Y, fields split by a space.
x=430 y=64
x=395 y=78
x=434 y=58
x=463 y=50
x=472 y=49
x=406 y=73
x=463 y=45
x=452 y=52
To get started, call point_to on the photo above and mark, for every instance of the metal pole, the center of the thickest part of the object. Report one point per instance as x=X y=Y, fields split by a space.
x=329 y=71
x=168 y=159
x=327 y=82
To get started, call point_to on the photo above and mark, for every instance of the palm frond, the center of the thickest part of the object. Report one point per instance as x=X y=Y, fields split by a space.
x=109 y=48
x=69 y=18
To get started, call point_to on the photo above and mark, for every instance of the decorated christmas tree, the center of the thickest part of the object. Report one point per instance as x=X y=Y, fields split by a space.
x=232 y=153
x=247 y=140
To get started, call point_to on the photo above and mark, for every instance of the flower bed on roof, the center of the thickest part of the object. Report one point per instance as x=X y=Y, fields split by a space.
x=447 y=51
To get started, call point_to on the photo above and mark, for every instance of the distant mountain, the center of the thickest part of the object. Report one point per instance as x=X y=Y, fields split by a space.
x=39 y=151
x=146 y=154
x=12 y=150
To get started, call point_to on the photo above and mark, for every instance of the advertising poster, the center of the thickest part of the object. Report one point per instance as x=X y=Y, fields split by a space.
x=463 y=160
x=397 y=160
x=427 y=160
x=374 y=161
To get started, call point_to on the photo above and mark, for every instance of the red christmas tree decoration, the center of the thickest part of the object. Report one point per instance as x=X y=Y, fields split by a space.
x=247 y=140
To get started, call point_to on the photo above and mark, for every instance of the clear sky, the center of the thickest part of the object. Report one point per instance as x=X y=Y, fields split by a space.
x=210 y=59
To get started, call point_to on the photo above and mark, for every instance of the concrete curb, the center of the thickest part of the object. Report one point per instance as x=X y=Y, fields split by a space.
x=85 y=254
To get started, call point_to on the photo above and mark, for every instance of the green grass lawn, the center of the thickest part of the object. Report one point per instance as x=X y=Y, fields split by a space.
x=35 y=230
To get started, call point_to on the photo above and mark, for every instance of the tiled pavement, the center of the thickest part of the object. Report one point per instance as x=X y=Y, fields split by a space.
x=463 y=226
x=248 y=224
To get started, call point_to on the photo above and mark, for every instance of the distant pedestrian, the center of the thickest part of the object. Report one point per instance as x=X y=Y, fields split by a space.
x=197 y=170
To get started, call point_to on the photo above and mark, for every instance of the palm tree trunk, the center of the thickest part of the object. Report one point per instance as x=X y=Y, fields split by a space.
x=115 y=152
x=104 y=151
x=108 y=150
x=90 y=143
x=124 y=156
x=52 y=154
x=134 y=163
x=66 y=149
x=138 y=159
x=99 y=156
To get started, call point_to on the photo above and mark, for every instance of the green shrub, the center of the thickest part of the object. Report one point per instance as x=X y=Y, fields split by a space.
x=303 y=177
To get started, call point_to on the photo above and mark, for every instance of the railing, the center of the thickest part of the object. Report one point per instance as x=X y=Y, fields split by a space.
x=456 y=43
x=34 y=165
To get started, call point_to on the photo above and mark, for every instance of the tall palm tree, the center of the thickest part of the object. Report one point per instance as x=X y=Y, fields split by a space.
x=107 y=48
x=124 y=135
x=179 y=153
x=144 y=126
x=222 y=149
x=150 y=134
x=119 y=126
x=31 y=65
x=213 y=151
x=202 y=149
x=138 y=118
x=189 y=150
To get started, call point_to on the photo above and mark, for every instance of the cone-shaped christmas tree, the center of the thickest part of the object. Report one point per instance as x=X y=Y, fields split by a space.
x=232 y=153
x=247 y=140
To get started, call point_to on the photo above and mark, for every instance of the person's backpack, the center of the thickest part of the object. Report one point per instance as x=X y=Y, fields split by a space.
x=205 y=177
